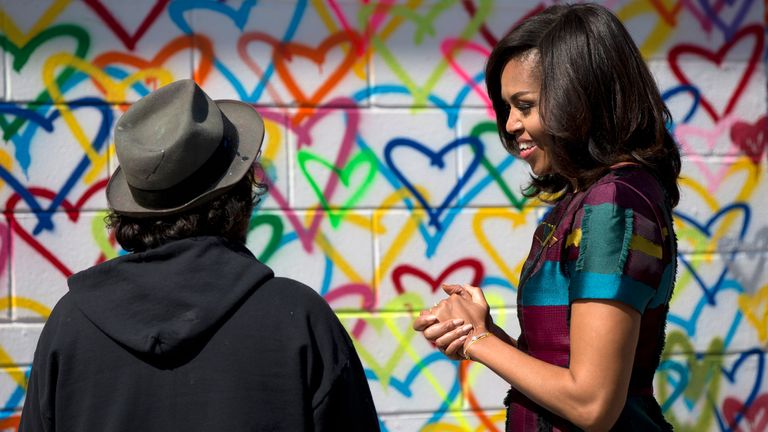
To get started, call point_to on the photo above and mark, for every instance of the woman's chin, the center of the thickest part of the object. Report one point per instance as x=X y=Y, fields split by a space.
x=539 y=171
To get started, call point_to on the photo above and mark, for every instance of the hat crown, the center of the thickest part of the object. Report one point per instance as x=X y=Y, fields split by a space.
x=168 y=135
x=179 y=149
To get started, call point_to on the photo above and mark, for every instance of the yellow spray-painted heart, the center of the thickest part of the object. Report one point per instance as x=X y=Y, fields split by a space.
x=755 y=310
x=17 y=374
x=518 y=219
x=752 y=176
x=115 y=91
x=19 y=38
x=659 y=34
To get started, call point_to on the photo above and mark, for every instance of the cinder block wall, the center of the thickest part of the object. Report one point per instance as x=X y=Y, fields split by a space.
x=387 y=176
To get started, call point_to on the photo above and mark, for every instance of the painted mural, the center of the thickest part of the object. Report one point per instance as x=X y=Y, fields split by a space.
x=387 y=177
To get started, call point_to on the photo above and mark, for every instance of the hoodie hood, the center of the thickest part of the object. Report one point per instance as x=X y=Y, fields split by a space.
x=161 y=300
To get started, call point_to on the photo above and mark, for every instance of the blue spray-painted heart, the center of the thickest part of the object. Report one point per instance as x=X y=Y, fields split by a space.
x=404 y=386
x=433 y=239
x=38 y=120
x=706 y=229
x=728 y=28
x=690 y=325
x=450 y=109
x=436 y=159
x=730 y=374
x=15 y=399
x=239 y=17
x=677 y=91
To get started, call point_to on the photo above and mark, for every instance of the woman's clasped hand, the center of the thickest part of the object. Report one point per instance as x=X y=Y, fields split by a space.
x=452 y=323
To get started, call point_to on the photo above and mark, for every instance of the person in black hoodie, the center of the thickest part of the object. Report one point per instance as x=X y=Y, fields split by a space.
x=190 y=331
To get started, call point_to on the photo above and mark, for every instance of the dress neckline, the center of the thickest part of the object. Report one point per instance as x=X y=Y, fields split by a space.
x=624 y=164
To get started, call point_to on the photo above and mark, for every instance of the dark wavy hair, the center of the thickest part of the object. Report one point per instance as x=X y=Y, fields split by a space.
x=598 y=99
x=226 y=216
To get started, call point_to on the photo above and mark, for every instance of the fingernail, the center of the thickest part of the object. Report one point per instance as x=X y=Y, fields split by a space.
x=463 y=338
x=457 y=322
x=466 y=328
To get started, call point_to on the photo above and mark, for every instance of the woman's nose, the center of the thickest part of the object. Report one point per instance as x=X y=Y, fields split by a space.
x=514 y=125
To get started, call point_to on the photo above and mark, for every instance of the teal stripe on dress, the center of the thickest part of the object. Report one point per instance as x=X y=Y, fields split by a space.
x=548 y=287
x=606 y=234
x=585 y=285
x=665 y=287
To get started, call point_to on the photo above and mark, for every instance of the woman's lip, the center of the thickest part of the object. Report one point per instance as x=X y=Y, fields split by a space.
x=527 y=152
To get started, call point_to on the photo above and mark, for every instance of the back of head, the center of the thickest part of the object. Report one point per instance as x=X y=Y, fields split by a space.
x=227 y=215
x=598 y=99
x=186 y=167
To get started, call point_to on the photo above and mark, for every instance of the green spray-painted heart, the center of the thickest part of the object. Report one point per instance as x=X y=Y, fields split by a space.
x=21 y=55
x=703 y=378
x=365 y=160
x=424 y=25
x=274 y=222
x=101 y=236
x=488 y=127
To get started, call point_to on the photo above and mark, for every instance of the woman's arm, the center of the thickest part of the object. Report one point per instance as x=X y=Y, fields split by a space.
x=592 y=391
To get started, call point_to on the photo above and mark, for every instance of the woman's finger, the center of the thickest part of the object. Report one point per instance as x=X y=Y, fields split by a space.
x=456 y=349
x=444 y=341
x=433 y=332
x=424 y=321
x=475 y=293
x=451 y=288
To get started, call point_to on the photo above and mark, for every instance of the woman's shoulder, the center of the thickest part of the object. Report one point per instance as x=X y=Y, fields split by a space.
x=629 y=187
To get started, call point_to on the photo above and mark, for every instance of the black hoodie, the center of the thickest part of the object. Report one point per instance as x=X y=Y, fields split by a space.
x=196 y=335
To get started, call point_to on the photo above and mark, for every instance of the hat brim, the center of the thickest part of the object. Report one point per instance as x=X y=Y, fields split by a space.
x=250 y=134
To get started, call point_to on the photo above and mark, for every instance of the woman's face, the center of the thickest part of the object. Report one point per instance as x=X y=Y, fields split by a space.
x=520 y=83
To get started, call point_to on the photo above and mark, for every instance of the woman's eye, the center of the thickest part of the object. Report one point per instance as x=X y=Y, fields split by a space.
x=524 y=108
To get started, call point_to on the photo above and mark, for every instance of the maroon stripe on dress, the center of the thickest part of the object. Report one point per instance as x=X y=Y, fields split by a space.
x=644 y=268
x=547 y=333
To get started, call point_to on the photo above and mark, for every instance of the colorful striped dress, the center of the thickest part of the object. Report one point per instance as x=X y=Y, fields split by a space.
x=614 y=241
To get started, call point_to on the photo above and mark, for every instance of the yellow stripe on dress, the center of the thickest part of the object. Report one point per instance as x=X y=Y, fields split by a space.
x=574 y=238
x=642 y=244
x=638 y=243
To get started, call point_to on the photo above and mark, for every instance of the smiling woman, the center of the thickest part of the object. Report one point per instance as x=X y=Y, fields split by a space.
x=574 y=99
x=520 y=83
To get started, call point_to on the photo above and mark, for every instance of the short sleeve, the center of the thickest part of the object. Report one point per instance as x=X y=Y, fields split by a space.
x=617 y=248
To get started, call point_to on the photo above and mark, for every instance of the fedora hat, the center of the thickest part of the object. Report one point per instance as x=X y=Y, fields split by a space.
x=177 y=148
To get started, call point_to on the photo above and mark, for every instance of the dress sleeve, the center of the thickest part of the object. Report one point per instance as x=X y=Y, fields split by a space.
x=616 y=249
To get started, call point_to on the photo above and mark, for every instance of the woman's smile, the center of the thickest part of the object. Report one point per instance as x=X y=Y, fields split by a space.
x=520 y=85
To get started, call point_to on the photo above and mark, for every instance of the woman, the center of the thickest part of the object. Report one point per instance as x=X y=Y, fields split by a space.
x=574 y=99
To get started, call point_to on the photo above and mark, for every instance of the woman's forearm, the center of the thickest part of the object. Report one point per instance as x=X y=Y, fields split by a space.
x=592 y=390
x=502 y=335
x=555 y=388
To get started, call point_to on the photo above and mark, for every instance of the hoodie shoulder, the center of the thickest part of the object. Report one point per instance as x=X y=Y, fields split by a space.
x=301 y=300
x=306 y=310
x=156 y=301
x=291 y=287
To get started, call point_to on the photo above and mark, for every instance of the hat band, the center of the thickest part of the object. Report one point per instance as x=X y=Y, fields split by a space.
x=195 y=185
